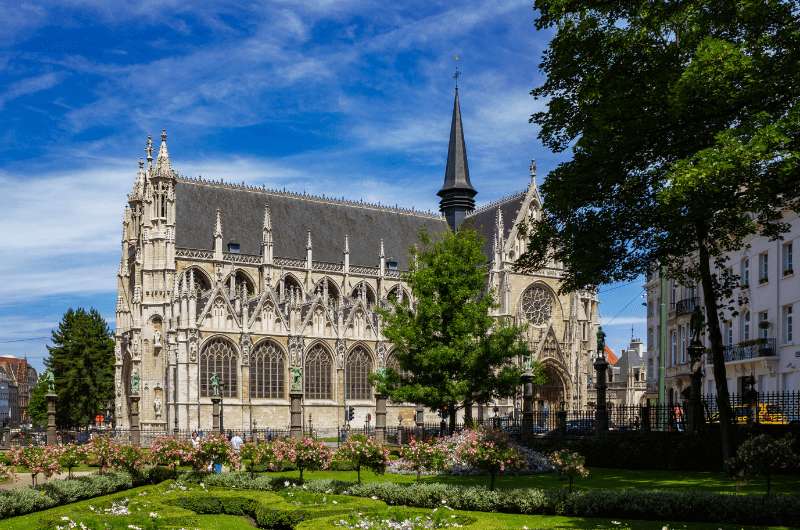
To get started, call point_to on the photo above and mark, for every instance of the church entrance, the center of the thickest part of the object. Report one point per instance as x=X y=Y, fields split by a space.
x=550 y=394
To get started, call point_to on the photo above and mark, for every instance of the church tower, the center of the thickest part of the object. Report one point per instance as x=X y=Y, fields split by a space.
x=457 y=194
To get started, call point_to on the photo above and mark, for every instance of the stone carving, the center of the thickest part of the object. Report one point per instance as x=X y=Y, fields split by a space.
x=380 y=349
x=297 y=378
x=136 y=348
x=341 y=352
x=172 y=352
x=296 y=351
x=246 y=345
x=118 y=350
x=192 y=352
x=135 y=381
x=157 y=406
x=156 y=339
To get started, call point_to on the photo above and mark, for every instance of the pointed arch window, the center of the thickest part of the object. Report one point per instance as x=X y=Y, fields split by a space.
x=363 y=289
x=267 y=371
x=219 y=357
x=318 y=382
x=356 y=374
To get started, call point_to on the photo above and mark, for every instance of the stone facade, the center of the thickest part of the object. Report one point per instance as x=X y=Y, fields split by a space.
x=274 y=289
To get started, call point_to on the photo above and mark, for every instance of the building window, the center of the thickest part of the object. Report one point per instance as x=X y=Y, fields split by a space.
x=536 y=305
x=683 y=343
x=728 y=333
x=744 y=273
x=318 y=378
x=219 y=357
x=673 y=348
x=673 y=294
x=763 y=267
x=787 y=259
x=788 y=331
x=234 y=248
x=267 y=371
x=391 y=265
x=356 y=375
x=763 y=324
x=746 y=325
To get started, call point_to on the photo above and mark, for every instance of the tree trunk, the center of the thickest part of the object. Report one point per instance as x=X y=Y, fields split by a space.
x=452 y=410
x=717 y=348
x=468 y=424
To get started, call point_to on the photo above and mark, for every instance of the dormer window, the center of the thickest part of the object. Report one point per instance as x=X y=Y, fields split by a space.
x=391 y=265
x=234 y=248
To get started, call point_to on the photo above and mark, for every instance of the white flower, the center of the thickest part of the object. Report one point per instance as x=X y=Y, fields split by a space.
x=153 y=515
x=64 y=518
x=374 y=498
x=285 y=483
x=334 y=502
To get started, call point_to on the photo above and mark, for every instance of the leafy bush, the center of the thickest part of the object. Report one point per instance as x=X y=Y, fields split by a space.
x=569 y=464
x=131 y=459
x=273 y=519
x=763 y=456
x=20 y=501
x=215 y=449
x=71 y=456
x=37 y=459
x=171 y=452
x=305 y=453
x=102 y=450
x=489 y=451
x=361 y=451
x=423 y=456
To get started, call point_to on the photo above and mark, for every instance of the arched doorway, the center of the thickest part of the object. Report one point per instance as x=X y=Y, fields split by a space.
x=551 y=393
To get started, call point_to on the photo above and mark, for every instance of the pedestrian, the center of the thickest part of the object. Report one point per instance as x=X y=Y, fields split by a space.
x=195 y=440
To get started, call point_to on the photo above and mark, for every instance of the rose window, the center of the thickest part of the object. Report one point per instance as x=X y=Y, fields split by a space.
x=537 y=305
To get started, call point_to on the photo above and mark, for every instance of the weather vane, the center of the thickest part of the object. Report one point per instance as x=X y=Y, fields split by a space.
x=457 y=73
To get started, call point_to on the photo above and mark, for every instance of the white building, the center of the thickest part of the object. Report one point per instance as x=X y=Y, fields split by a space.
x=760 y=336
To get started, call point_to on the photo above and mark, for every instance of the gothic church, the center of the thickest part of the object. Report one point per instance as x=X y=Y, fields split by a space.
x=270 y=289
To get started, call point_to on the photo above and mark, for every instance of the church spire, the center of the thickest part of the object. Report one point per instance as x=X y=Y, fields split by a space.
x=163 y=167
x=457 y=194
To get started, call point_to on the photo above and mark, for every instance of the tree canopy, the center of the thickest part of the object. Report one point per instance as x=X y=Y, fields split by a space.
x=82 y=361
x=449 y=349
x=684 y=127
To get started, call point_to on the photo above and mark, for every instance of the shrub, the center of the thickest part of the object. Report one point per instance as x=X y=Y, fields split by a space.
x=421 y=456
x=37 y=459
x=102 y=450
x=215 y=449
x=129 y=458
x=171 y=452
x=71 y=456
x=251 y=456
x=569 y=464
x=361 y=451
x=273 y=519
x=20 y=501
x=6 y=472
x=489 y=451
x=265 y=517
x=762 y=456
x=305 y=453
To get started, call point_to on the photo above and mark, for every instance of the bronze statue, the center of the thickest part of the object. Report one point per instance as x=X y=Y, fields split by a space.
x=135 y=382
x=215 y=384
x=601 y=341
x=297 y=379
x=697 y=323
x=47 y=376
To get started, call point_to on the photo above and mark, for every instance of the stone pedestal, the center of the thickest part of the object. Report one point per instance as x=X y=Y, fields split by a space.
x=296 y=415
x=419 y=420
x=601 y=382
x=135 y=434
x=380 y=418
x=527 y=403
x=51 y=418
x=696 y=415
x=216 y=414
x=644 y=414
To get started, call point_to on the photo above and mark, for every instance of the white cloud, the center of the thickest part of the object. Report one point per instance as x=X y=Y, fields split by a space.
x=623 y=321
x=29 y=85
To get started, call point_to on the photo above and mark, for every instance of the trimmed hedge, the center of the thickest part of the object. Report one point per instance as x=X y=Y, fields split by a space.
x=690 y=506
x=20 y=501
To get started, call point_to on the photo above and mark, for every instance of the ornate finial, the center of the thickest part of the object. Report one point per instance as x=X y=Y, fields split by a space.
x=533 y=170
x=383 y=254
x=346 y=244
x=267 y=218
x=218 y=224
x=149 y=151
x=308 y=239
x=163 y=135
x=457 y=73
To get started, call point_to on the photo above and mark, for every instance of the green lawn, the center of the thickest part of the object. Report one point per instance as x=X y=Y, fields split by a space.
x=599 y=478
x=160 y=500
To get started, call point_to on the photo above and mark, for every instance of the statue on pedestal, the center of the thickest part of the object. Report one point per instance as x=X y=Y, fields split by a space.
x=215 y=384
x=47 y=376
x=297 y=378
x=135 y=380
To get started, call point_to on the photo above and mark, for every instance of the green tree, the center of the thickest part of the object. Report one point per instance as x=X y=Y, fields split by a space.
x=82 y=362
x=37 y=405
x=683 y=122
x=449 y=349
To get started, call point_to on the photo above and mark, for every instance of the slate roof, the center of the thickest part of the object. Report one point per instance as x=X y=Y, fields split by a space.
x=292 y=215
x=484 y=219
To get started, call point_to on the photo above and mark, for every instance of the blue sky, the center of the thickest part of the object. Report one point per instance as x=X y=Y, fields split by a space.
x=336 y=97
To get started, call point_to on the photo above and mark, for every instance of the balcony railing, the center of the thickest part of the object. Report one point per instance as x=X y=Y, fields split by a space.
x=751 y=349
x=686 y=306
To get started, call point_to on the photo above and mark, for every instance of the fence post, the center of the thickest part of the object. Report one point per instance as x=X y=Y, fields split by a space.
x=644 y=414
x=296 y=415
x=51 y=418
x=561 y=421
x=380 y=418
x=135 y=437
